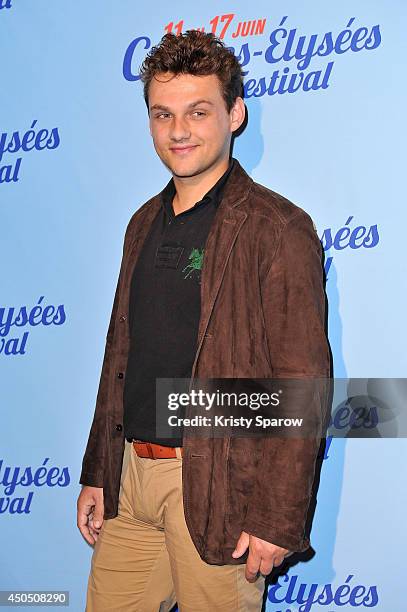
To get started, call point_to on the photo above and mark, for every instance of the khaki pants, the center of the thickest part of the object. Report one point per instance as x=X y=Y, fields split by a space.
x=144 y=559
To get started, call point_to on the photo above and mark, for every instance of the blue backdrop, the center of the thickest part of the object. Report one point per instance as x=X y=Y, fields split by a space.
x=325 y=90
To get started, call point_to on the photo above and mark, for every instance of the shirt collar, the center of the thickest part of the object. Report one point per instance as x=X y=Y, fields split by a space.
x=213 y=195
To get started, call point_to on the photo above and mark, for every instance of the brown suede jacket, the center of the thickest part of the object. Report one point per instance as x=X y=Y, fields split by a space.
x=262 y=316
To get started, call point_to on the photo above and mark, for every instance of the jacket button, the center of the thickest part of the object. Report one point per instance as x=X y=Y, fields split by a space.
x=119 y=427
x=122 y=318
x=120 y=375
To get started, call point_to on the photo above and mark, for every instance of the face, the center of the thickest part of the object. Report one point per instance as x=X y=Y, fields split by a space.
x=189 y=123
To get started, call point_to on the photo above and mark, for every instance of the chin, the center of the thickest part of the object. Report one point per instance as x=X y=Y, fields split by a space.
x=185 y=168
x=184 y=172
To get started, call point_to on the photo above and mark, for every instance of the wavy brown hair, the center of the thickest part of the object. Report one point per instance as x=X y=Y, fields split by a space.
x=197 y=53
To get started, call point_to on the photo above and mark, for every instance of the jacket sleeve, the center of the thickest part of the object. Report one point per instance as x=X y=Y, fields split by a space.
x=93 y=462
x=293 y=303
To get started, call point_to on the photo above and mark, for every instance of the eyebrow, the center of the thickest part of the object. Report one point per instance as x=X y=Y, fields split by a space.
x=192 y=105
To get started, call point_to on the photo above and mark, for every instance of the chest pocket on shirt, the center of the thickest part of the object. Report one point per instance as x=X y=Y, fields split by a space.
x=168 y=256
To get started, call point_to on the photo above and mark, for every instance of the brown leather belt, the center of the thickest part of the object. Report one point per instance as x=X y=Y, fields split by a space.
x=151 y=450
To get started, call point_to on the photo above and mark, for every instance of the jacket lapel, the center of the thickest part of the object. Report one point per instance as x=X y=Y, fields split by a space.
x=223 y=233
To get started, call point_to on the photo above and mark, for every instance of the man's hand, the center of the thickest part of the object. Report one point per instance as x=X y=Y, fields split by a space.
x=90 y=513
x=263 y=556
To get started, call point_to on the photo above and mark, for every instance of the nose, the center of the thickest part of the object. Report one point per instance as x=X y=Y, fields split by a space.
x=179 y=129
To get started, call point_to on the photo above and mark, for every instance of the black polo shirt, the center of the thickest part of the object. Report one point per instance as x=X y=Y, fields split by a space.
x=165 y=306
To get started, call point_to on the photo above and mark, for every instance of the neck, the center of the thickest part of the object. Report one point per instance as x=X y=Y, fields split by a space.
x=191 y=189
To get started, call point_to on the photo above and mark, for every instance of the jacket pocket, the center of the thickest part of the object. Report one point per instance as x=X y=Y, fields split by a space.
x=244 y=458
x=196 y=474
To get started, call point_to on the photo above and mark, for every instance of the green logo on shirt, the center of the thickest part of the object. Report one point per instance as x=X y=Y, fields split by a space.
x=195 y=261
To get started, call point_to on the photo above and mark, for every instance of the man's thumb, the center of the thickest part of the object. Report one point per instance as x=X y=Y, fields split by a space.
x=241 y=546
x=98 y=517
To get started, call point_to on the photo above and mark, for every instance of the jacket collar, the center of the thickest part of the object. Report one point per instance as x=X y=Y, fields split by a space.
x=237 y=187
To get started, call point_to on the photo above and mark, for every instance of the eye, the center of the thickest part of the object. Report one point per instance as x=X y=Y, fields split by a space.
x=199 y=113
x=162 y=115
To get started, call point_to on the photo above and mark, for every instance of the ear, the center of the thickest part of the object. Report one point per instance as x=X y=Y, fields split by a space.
x=237 y=114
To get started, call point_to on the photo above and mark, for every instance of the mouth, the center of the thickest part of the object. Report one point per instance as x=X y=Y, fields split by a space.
x=184 y=150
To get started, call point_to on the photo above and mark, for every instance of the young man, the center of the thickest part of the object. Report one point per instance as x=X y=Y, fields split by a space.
x=220 y=277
